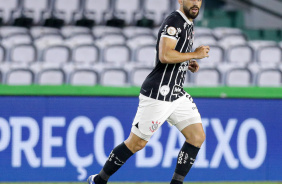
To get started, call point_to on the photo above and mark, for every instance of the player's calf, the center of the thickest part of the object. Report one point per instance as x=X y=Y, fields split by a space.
x=195 y=136
x=117 y=158
x=185 y=160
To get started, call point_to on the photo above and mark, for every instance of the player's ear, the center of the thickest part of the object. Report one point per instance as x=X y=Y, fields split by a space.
x=180 y=2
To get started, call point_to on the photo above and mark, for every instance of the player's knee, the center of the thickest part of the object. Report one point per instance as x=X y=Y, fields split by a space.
x=140 y=145
x=197 y=139
x=135 y=145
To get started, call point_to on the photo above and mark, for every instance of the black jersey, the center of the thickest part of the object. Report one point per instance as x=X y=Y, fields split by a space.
x=166 y=81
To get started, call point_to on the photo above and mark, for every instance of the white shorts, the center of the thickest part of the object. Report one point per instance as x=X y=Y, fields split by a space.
x=152 y=113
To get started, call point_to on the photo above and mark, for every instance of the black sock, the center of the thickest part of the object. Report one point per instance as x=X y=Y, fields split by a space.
x=185 y=160
x=117 y=158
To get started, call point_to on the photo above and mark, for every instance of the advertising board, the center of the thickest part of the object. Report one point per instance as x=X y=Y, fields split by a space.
x=69 y=138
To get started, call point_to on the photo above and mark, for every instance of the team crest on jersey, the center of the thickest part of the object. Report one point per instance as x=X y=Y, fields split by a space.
x=155 y=126
x=164 y=90
x=171 y=31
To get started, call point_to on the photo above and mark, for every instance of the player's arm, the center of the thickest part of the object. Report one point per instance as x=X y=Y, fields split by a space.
x=168 y=54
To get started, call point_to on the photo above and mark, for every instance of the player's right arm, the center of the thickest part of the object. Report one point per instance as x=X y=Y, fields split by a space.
x=168 y=54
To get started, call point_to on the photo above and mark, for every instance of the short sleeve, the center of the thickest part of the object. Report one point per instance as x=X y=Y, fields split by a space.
x=171 y=29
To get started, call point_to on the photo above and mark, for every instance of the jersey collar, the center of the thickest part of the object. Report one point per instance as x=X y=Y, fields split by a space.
x=184 y=17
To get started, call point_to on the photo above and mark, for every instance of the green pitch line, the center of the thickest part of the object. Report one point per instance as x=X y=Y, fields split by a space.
x=150 y=183
x=210 y=92
x=213 y=183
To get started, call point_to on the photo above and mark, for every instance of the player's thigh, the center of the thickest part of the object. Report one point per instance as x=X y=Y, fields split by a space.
x=151 y=114
x=185 y=114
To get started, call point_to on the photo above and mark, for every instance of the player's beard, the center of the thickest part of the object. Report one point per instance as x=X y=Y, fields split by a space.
x=188 y=13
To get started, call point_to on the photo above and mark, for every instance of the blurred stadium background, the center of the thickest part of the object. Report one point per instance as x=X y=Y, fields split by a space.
x=60 y=58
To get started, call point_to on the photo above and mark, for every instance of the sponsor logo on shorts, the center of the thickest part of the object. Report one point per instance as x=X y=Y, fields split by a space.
x=194 y=108
x=155 y=126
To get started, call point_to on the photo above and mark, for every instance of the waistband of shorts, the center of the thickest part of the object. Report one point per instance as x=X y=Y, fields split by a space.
x=148 y=98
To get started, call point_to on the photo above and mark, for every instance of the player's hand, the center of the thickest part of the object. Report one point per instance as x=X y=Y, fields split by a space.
x=202 y=52
x=193 y=66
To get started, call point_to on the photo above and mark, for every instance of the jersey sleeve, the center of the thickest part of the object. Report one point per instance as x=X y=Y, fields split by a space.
x=171 y=29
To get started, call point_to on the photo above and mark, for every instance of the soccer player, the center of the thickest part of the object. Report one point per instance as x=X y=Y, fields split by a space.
x=162 y=96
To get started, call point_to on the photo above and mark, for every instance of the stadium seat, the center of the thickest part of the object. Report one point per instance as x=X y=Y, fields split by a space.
x=204 y=39
x=269 y=55
x=188 y=79
x=51 y=77
x=202 y=30
x=23 y=53
x=127 y=8
x=269 y=78
x=56 y=54
x=111 y=39
x=131 y=31
x=84 y=77
x=240 y=54
x=158 y=7
x=114 y=77
x=216 y=56
x=239 y=77
x=37 y=7
x=68 y=31
x=67 y=7
x=138 y=75
x=19 y=77
x=140 y=40
x=48 y=39
x=131 y=48
x=232 y=40
x=86 y=54
x=79 y=39
x=117 y=54
x=99 y=31
x=7 y=7
x=97 y=6
x=1 y=77
x=146 y=55
x=37 y=31
x=2 y=53
x=15 y=39
x=10 y=30
x=207 y=77
x=156 y=31
x=261 y=43
x=221 y=32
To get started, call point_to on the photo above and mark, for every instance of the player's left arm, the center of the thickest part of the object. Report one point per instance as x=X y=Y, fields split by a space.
x=193 y=66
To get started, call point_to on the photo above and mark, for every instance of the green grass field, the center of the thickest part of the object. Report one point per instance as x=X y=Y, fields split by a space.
x=153 y=183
